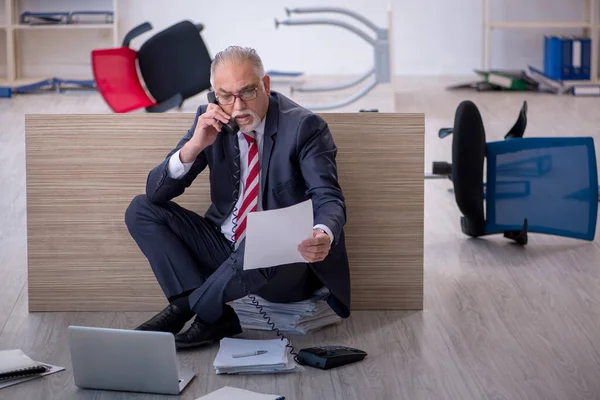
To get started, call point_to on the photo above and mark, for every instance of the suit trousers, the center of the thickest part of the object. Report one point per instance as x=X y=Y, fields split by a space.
x=188 y=253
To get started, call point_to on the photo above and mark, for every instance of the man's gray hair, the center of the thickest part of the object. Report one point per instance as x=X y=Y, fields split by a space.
x=237 y=55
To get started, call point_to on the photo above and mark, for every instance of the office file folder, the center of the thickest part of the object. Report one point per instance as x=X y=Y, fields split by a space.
x=567 y=58
x=586 y=59
x=553 y=57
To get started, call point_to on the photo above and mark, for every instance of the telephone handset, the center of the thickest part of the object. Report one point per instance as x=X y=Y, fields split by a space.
x=230 y=127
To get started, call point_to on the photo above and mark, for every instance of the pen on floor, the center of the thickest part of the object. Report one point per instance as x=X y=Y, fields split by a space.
x=250 y=354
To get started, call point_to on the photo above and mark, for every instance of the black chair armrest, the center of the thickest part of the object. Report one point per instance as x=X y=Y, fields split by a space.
x=518 y=129
x=135 y=32
x=443 y=132
x=172 y=102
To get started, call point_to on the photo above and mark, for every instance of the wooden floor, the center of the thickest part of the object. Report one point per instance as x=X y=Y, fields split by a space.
x=500 y=321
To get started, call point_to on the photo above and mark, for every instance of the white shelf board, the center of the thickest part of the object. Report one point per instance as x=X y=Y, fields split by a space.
x=12 y=27
x=20 y=81
x=580 y=82
x=539 y=24
x=65 y=26
x=28 y=81
x=590 y=22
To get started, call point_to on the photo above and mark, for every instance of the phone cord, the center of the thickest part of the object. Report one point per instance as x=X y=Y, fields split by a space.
x=239 y=278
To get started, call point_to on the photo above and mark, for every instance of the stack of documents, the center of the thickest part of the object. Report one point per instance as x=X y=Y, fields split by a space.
x=297 y=318
x=246 y=356
x=283 y=229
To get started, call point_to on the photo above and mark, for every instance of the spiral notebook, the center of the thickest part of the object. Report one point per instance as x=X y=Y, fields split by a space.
x=16 y=367
x=15 y=364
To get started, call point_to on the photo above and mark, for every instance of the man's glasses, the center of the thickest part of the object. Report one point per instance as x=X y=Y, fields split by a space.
x=246 y=95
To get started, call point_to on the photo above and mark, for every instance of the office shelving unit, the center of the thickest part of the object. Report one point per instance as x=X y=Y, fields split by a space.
x=589 y=24
x=14 y=32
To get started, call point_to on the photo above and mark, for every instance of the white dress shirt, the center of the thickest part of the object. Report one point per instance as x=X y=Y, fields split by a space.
x=177 y=170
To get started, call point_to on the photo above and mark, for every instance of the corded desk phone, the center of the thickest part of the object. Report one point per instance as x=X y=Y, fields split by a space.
x=327 y=357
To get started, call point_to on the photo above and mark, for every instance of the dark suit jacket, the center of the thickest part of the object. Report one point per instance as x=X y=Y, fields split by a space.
x=298 y=163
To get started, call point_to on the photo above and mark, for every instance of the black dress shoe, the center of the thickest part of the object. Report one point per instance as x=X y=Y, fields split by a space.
x=201 y=333
x=171 y=319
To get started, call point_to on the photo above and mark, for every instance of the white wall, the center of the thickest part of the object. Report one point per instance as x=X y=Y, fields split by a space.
x=435 y=37
x=441 y=37
x=311 y=48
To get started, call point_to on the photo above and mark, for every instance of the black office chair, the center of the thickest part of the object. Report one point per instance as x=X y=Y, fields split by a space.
x=541 y=184
x=174 y=65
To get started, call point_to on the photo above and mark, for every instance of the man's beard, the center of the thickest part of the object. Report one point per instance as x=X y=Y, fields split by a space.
x=254 y=121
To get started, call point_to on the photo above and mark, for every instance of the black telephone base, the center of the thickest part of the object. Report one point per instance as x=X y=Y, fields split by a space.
x=327 y=357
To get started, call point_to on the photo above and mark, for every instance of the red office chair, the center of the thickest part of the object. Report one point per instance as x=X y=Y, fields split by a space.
x=174 y=65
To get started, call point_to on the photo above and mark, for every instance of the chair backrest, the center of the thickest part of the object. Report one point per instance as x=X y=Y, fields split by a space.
x=551 y=182
x=175 y=60
x=468 y=154
x=117 y=80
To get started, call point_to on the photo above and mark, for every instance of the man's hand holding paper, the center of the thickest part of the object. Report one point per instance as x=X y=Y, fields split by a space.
x=283 y=236
x=316 y=248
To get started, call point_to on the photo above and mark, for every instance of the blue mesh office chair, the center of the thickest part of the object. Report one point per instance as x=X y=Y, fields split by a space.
x=545 y=185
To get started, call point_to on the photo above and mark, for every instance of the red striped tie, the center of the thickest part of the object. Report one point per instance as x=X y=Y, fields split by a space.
x=250 y=201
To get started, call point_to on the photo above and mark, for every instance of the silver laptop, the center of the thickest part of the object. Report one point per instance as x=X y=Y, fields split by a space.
x=126 y=360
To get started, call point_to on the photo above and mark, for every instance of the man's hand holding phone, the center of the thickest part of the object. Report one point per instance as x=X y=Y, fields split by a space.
x=209 y=125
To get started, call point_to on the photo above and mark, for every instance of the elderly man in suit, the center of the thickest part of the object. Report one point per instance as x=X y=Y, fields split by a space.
x=282 y=155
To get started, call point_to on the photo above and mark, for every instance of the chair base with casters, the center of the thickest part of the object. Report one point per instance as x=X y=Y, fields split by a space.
x=380 y=72
x=543 y=185
x=173 y=66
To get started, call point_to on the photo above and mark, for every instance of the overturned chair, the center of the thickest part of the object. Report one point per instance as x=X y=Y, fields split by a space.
x=173 y=66
x=543 y=185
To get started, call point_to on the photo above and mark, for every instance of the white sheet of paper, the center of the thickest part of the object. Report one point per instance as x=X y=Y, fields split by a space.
x=273 y=236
